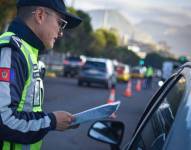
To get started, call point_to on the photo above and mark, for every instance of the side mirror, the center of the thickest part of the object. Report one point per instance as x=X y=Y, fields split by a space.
x=107 y=131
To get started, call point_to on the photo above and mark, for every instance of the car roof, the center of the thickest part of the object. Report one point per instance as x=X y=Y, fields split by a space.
x=103 y=60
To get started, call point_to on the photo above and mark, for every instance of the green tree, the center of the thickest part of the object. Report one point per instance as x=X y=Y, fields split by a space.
x=7 y=12
x=156 y=60
x=77 y=40
x=111 y=37
x=98 y=44
x=122 y=54
x=103 y=40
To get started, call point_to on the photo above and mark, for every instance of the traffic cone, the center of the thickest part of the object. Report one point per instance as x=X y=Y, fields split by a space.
x=128 y=91
x=112 y=96
x=138 y=86
x=111 y=100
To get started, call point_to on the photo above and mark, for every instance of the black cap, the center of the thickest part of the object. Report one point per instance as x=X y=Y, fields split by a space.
x=57 y=5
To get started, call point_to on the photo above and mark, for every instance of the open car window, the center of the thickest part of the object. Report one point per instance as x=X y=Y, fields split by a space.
x=156 y=128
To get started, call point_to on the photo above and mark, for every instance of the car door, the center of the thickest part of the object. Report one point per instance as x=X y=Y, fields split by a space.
x=160 y=117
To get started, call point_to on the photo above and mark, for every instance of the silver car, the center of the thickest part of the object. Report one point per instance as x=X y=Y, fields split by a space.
x=97 y=71
x=165 y=123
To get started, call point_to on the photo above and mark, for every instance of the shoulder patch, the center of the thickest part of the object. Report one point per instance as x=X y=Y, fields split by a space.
x=16 y=41
x=5 y=74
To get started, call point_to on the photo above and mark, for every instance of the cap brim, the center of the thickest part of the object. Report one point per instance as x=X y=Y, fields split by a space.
x=73 y=21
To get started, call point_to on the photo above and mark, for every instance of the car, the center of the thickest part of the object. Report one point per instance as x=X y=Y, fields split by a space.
x=72 y=65
x=97 y=71
x=137 y=72
x=164 y=125
x=122 y=72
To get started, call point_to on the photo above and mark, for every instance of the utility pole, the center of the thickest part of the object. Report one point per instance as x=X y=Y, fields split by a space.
x=105 y=17
x=72 y=3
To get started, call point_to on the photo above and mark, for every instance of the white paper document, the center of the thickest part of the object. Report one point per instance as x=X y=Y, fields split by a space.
x=100 y=112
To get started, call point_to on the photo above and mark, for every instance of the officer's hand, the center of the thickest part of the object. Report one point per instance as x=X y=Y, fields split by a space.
x=63 y=120
x=74 y=126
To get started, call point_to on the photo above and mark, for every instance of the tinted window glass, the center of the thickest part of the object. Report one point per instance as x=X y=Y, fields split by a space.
x=95 y=65
x=135 y=71
x=157 y=127
x=74 y=59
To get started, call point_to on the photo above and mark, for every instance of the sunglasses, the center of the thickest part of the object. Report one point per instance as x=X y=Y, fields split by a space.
x=61 y=22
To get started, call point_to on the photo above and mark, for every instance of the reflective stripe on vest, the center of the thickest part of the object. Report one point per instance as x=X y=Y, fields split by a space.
x=31 y=99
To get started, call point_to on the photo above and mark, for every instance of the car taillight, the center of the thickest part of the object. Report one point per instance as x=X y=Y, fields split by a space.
x=66 y=62
x=120 y=71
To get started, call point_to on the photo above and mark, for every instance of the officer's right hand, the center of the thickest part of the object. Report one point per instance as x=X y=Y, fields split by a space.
x=63 y=120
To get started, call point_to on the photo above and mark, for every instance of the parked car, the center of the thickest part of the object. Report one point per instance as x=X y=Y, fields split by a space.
x=72 y=65
x=97 y=71
x=122 y=72
x=165 y=123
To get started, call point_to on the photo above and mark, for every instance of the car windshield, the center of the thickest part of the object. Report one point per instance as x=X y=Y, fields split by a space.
x=95 y=65
x=135 y=71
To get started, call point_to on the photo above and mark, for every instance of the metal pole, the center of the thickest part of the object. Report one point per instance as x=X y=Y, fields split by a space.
x=105 y=19
x=72 y=3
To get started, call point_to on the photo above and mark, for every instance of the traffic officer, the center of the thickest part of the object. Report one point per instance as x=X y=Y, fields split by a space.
x=149 y=76
x=38 y=24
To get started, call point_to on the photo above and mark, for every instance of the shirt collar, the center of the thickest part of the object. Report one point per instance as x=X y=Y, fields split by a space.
x=24 y=32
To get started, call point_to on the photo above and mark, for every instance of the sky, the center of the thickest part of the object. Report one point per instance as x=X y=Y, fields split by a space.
x=136 y=10
x=97 y=3
x=175 y=13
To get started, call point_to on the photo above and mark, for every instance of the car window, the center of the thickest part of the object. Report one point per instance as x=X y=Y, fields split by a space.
x=95 y=65
x=135 y=71
x=156 y=129
x=74 y=59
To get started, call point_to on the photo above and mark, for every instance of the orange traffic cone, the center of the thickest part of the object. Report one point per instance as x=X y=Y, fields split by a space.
x=112 y=96
x=111 y=100
x=138 y=86
x=128 y=91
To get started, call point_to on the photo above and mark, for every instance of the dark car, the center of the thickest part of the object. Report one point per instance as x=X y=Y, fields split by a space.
x=72 y=65
x=165 y=123
x=97 y=71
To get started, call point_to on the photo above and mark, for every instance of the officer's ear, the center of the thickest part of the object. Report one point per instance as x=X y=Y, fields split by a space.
x=39 y=15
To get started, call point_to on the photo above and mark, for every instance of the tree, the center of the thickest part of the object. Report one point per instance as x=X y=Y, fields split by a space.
x=111 y=37
x=98 y=44
x=156 y=60
x=77 y=40
x=7 y=12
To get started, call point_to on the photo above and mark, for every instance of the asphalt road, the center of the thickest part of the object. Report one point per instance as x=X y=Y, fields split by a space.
x=64 y=94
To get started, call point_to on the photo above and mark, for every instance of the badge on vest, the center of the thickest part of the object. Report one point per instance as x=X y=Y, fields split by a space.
x=36 y=73
x=6 y=74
